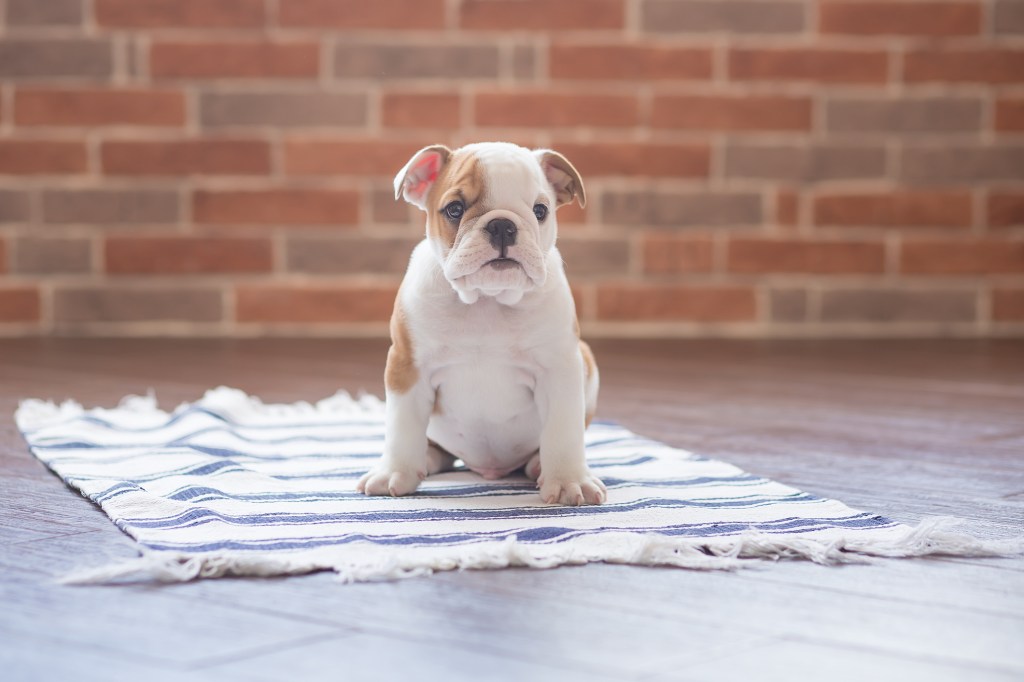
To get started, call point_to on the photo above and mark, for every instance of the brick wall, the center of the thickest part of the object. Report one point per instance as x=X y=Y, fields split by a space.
x=775 y=167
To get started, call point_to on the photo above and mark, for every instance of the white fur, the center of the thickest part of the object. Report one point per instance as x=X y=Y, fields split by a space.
x=496 y=349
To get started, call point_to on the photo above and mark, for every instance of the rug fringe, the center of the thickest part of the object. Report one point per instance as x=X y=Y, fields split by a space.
x=931 y=537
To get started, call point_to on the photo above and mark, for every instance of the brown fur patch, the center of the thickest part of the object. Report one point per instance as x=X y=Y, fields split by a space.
x=589 y=367
x=461 y=178
x=401 y=373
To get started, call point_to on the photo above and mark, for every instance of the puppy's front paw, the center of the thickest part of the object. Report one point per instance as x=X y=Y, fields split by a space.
x=572 y=490
x=387 y=482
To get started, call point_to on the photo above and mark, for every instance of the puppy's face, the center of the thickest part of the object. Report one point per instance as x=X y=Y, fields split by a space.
x=490 y=213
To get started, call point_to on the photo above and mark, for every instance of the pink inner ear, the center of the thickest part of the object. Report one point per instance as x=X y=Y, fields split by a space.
x=427 y=169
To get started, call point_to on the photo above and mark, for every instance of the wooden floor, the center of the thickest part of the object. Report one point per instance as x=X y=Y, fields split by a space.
x=906 y=428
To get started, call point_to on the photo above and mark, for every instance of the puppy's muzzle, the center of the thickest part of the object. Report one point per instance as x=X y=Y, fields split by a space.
x=502 y=233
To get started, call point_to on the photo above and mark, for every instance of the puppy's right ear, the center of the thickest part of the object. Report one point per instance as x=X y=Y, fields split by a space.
x=415 y=180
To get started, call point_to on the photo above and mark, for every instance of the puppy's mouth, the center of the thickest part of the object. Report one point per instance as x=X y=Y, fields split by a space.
x=504 y=263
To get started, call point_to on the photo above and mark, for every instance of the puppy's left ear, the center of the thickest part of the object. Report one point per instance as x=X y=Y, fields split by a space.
x=564 y=178
x=414 y=181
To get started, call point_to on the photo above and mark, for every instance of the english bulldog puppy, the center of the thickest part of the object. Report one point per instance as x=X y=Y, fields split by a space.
x=486 y=364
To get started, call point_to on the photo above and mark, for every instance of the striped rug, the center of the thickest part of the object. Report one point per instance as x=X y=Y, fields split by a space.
x=231 y=486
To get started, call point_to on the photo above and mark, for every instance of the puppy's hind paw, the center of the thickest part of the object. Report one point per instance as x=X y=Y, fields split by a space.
x=393 y=483
x=572 y=490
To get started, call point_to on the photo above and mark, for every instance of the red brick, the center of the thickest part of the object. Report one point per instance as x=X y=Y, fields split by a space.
x=1006 y=209
x=314 y=304
x=671 y=254
x=276 y=206
x=186 y=255
x=818 y=65
x=542 y=15
x=3 y=256
x=98 y=107
x=220 y=59
x=629 y=62
x=360 y=157
x=935 y=19
x=390 y=14
x=755 y=255
x=962 y=257
x=787 y=208
x=179 y=13
x=212 y=156
x=542 y=109
x=964 y=65
x=894 y=209
x=41 y=157
x=1008 y=305
x=1010 y=114
x=19 y=304
x=675 y=303
x=731 y=112
x=638 y=159
x=441 y=111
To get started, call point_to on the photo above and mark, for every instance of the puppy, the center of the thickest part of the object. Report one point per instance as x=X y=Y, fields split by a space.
x=486 y=364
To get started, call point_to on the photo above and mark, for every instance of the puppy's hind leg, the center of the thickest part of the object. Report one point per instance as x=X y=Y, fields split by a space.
x=439 y=460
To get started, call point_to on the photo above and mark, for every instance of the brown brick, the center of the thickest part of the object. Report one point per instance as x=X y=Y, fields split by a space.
x=964 y=65
x=671 y=208
x=44 y=256
x=204 y=156
x=15 y=206
x=541 y=15
x=796 y=256
x=962 y=257
x=3 y=256
x=348 y=254
x=734 y=16
x=952 y=163
x=894 y=209
x=282 y=109
x=42 y=58
x=186 y=255
x=179 y=13
x=541 y=109
x=76 y=305
x=629 y=62
x=98 y=107
x=818 y=65
x=799 y=163
x=1008 y=305
x=1006 y=209
x=19 y=304
x=905 y=116
x=787 y=305
x=359 y=157
x=379 y=14
x=594 y=256
x=524 y=62
x=439 y=111
x=251 y=59
x=666 y=254
x=111 y=206
x=638 y=159
x=1010 y=114
x=276 y=206
x=47 y=13
x=387 y=209
x=41 y=157
x=1008 y=17
x=933 y=19
x=732 y=112
x=787 y=208
x=572 y=215
x=898 y=305
x=384 y=61
x=312 y=304
x=666 y=303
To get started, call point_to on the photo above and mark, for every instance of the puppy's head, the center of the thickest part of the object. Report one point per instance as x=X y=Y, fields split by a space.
x=490 y=213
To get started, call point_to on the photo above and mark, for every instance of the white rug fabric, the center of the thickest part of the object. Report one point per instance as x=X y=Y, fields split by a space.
x=228 y=485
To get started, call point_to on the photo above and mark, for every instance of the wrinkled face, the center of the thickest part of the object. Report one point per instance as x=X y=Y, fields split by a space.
x=490 y=214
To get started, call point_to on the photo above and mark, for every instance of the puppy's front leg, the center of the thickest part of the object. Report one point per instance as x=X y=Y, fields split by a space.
x=564 y=475
x=404 y=462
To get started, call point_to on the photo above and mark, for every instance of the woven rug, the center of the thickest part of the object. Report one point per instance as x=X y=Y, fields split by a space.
x=231 y=486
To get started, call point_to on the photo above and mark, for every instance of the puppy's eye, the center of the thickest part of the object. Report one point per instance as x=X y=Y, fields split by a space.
x=455 y=210
x=541 y=211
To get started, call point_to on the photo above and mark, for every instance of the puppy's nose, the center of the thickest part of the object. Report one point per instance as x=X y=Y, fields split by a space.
x=503 y=234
